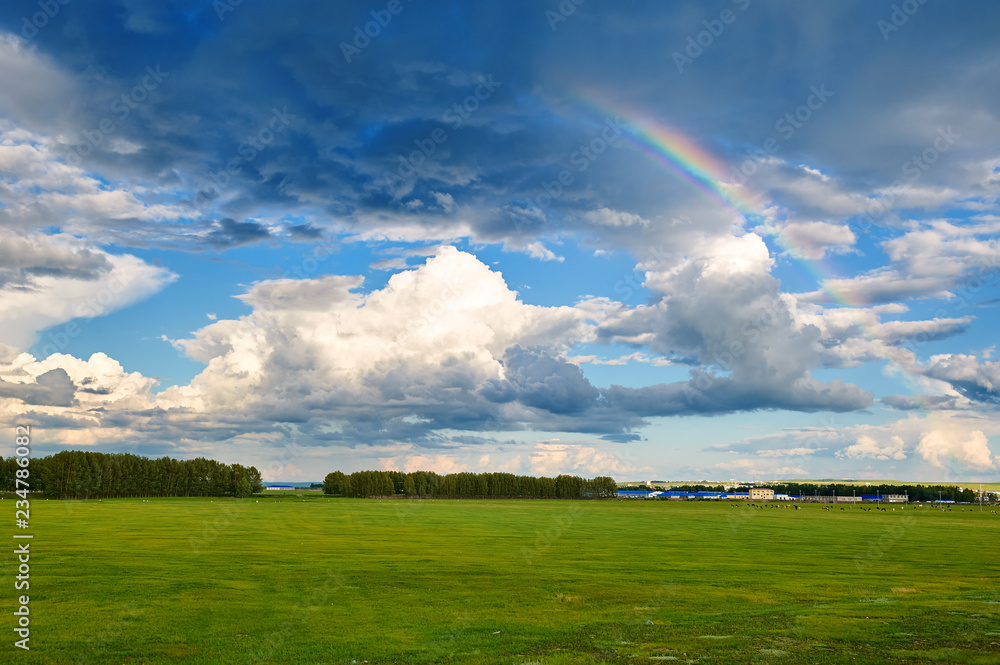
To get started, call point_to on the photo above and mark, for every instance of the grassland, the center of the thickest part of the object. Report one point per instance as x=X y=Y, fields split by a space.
x=312 y=580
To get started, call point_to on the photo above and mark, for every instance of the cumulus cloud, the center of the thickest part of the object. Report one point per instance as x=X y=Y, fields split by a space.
x=850 y=336
x=40 y=190
x=421 y=345
x=758 y=469
x=52 y=280
x=553 y=457
x=979 y=381
x=939 y=259
x=446 y=346
x=920 y=445
x=721 y=311
x=867 y=447
x=814 y=240
x=53 y=388
x=953 y=448
x=539 y=251
x=538 y=380
x=881 y=285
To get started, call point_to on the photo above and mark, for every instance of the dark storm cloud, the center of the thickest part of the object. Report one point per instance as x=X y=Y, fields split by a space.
x=978 y=380
x=304 y=232
x=540 y=381
x=230 y=233
x=413 y=100
x=53 y=388
x=23 y=257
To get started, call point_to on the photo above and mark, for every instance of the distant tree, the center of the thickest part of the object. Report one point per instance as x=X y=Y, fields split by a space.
x=409 y=487
x=602 y=487
x=333 y=483
x=347 y=486
x=243 y=488
x=255 y=480
x=398 y=479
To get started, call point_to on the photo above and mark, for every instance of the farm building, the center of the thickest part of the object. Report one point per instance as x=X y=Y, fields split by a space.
x=886 y=498
x=637 y=494
x=761 y=494
x=279 y=487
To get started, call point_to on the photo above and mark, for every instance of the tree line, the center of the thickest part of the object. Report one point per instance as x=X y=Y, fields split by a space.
x=473 y=485
x=914 y=492
x=77 y=474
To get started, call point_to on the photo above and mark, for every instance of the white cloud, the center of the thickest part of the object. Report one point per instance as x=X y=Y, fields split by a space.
x=814 y=240
x=554 y=457
x=440 y=327
x=881 y=285
x=446 y=201
x=975 y=379
x=440 y=463
x=614 y=218
x=32 y=88
x=867 y=447
x=789 y=452
x=957 y=448
x=721 y=310
x=757 y=469
x=52 y=280
x=537 y=250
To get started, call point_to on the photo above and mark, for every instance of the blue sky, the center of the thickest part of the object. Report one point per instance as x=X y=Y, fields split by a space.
x=736 y=240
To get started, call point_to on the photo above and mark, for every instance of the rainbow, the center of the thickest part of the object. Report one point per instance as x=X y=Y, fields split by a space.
x=693 y=164
x=704 y=172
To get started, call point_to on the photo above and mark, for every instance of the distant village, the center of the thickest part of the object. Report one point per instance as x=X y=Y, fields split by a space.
x=808 y=493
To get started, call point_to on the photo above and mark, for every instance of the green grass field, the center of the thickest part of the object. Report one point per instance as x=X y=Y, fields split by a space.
x=312 y=580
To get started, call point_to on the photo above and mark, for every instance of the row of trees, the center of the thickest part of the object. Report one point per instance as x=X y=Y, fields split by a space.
x=496 y=485
x=914 y=492
x=77 y=474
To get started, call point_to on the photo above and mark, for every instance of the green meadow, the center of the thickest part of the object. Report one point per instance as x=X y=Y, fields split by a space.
x=310 y=580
